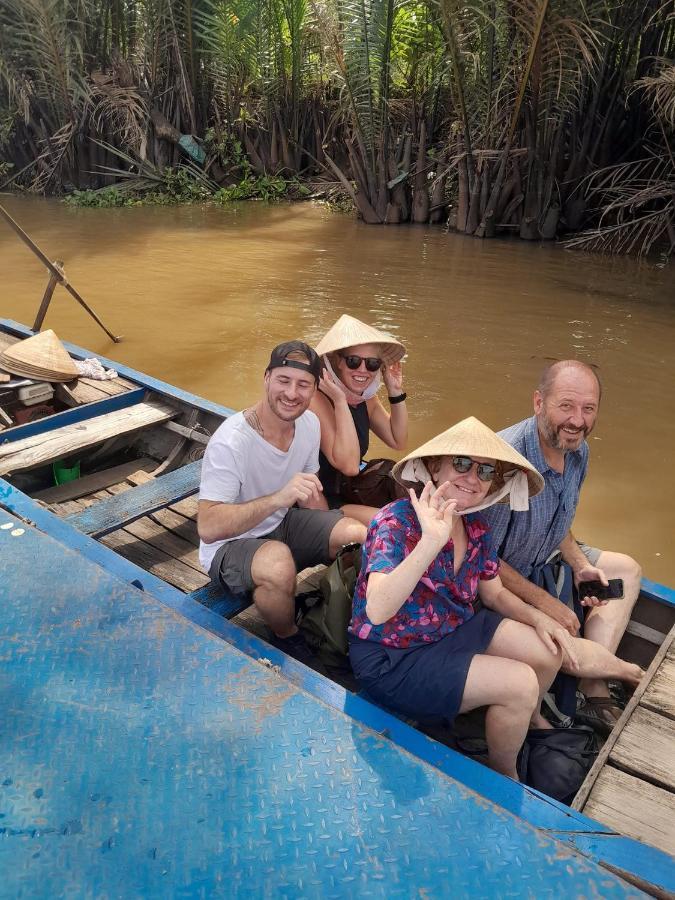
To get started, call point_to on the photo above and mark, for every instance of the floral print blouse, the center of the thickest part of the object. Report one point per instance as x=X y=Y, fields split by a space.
x=441 y=601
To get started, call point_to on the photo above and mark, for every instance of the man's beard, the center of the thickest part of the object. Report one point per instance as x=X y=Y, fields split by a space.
x=280 y=412
x=552 y=435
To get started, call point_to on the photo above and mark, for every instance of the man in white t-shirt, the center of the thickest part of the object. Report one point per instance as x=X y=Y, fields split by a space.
x=262 y=513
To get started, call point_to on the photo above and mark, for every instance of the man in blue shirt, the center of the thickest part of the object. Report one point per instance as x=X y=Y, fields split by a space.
x=566 y=405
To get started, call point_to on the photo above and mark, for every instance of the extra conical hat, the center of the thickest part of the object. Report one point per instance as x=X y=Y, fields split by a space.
x=471 y=438
x=350 y=332
x=41 y=356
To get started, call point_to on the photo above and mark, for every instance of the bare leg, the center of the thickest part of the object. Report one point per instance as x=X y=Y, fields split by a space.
x=363 y=514
x=346 y=531
x=510 y=690
x=595 y=662
x=606 y=624
x=273 y=573
x=514 y=640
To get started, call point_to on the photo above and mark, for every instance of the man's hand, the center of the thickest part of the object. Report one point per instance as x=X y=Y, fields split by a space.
x=304 y=489
x=554 y=636
x=559 y=612
x=590 y=573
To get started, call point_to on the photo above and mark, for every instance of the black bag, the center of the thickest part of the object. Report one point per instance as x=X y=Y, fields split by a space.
x=325 y=624
x=374 y=486
x=555 y=761
x=556 y=578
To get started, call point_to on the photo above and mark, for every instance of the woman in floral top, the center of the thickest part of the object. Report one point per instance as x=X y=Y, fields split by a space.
x=416 y=643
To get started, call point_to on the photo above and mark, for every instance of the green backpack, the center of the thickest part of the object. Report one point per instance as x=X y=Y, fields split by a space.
x=325 y=623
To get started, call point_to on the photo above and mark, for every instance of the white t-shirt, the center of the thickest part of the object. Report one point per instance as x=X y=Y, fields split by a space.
x=240 y=465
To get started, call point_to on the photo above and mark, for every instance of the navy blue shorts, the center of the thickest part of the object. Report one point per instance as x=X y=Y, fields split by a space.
x=425 y=682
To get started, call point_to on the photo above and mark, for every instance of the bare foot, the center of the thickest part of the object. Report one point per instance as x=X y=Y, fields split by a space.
x=633 y=675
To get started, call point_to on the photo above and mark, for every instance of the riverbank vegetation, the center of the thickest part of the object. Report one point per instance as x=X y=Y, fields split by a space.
x=536 y=118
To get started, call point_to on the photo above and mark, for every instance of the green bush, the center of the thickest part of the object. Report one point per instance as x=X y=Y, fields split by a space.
x=105 y=197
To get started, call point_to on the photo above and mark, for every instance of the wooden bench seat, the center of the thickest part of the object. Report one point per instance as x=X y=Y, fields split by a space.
x=116 y=512
x=40 y=449
x=223 y=602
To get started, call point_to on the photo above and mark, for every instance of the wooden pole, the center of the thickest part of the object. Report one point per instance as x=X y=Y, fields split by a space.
x=47 y=299
x=57 y=274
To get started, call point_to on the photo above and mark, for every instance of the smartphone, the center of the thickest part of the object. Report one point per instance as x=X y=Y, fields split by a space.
x=613 y=591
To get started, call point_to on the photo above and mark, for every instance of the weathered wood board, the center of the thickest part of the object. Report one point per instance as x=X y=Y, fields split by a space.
x=660 y=695
x=143 y=499
x=87 y=484
x=157 y=536
x=43 y=448
x=646 y=746
x=187 y=507
x=155 y=561
x=179 y=525
x=634 y=807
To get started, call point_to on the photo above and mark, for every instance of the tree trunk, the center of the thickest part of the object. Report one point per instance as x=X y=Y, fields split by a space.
x=420 y=210
x=462 y=195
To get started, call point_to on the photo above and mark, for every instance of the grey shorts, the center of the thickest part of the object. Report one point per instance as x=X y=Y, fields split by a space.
x=592 y=554
x=306 y=532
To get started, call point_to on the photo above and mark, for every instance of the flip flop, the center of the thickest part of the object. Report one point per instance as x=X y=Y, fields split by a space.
x=601 y=713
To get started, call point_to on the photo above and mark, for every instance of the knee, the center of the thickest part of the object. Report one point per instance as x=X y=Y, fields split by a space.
x=633 y=569
x=525 y=688
x=273 y=566
x=348 y=531
x=549 y=662
x=623 y=566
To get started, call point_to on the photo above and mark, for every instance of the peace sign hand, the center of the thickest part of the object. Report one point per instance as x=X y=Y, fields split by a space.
x=435 y=513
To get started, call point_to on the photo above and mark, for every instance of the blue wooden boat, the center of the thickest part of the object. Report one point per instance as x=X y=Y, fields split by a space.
x=122 y=539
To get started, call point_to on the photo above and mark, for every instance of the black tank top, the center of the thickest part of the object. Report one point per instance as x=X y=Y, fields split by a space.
x=328 y=475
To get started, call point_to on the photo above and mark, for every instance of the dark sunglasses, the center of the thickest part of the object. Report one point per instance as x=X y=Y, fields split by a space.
x=354 y=362
x=463 y=464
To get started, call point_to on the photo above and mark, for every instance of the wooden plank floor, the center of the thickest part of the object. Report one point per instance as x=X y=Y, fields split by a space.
x=631 y=787
x=165 y=542
x=170 y=553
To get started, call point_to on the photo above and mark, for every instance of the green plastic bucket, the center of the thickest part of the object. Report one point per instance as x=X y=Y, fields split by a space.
x=64 y=473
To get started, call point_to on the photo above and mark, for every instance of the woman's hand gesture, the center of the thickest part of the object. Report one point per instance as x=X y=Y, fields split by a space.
x=393 y=378
x=329 y=387
x=435 y=513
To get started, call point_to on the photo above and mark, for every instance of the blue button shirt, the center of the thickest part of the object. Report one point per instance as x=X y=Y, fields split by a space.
x=526 y=539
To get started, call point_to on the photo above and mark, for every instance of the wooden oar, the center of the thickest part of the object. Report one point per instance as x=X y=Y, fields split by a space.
x=57 y=275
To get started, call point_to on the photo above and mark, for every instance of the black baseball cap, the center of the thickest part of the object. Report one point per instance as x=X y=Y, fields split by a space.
x=281 y=352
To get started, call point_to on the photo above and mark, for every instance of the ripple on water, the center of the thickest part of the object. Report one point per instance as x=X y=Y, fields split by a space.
x=202 y=294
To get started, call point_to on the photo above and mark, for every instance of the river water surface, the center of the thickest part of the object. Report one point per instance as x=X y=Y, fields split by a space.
x=202 y=294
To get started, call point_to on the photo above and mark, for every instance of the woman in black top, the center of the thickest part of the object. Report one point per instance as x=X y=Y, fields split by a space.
x=357 y=358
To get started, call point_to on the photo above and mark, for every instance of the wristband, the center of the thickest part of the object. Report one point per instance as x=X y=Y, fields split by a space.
x=399 y=399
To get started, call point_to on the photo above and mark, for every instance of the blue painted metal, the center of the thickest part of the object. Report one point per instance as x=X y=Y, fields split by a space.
x=71 y=416
x=115 y=512
x=154 y=384
x=659 y=592
x=538 y=810
x=145 y=757
x=534 y=808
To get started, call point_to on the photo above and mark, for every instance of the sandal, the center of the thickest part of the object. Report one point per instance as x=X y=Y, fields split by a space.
x=601 y=713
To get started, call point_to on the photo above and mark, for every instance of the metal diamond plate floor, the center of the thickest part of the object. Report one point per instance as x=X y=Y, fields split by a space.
x=144 y=757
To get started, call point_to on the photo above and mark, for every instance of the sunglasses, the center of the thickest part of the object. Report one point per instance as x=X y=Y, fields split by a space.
x=354 y=362
x=464 y=464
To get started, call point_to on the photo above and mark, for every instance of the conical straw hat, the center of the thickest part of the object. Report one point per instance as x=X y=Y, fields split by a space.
x=471 y=438
x=41 y=356
x=350 y=332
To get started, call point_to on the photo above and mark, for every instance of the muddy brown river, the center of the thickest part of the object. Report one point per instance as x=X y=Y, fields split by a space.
x=202 y=294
